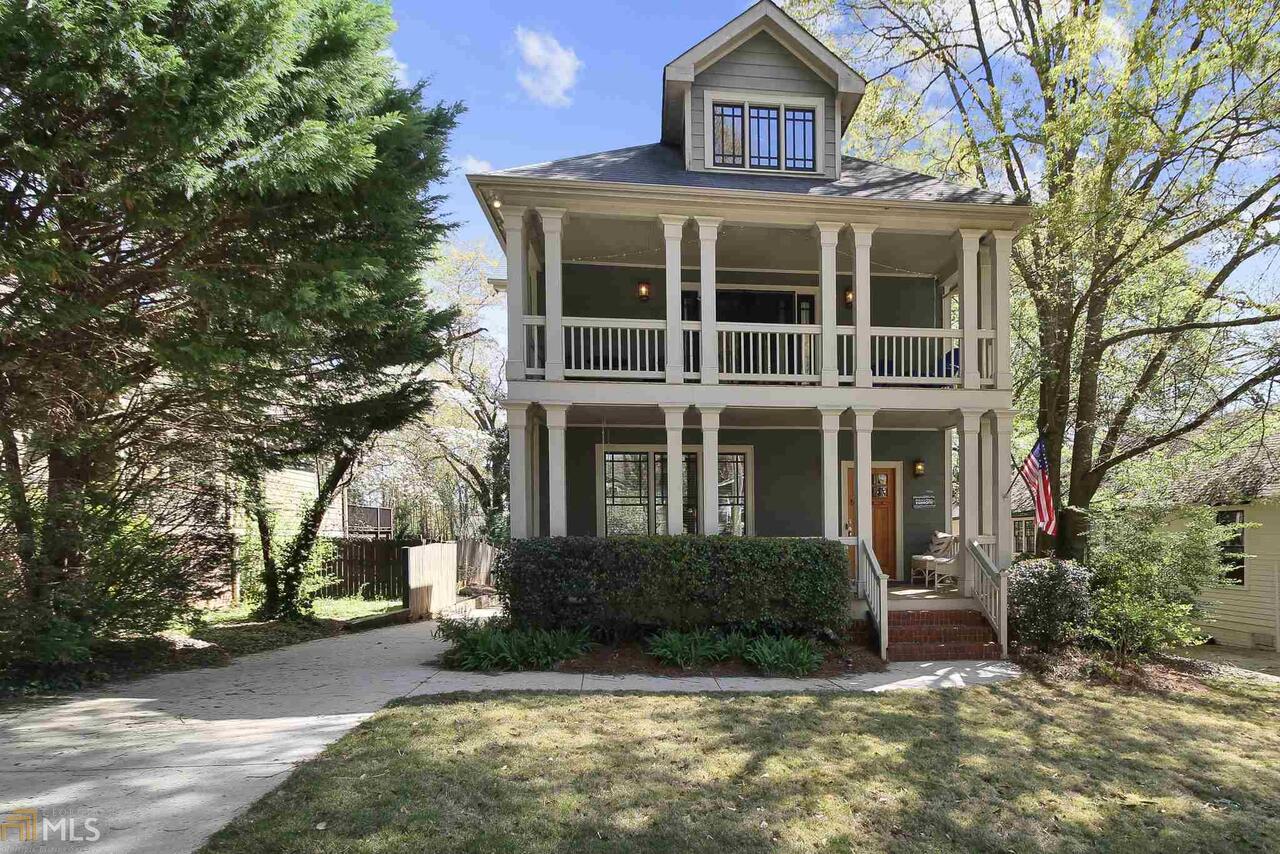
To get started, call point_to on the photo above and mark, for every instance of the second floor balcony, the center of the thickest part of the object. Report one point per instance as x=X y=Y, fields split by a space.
x=699 y=300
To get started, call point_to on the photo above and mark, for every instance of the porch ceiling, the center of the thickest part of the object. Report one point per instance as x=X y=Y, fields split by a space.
x=635 y=241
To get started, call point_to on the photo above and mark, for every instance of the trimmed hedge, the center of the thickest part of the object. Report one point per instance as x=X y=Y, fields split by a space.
x=619 y=585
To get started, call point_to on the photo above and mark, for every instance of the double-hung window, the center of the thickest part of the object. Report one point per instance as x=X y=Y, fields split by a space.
x=633 y=490
x=779 y=136
x=1233 y=549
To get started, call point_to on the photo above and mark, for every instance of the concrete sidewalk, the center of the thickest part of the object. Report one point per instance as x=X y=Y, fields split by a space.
x=161 y=763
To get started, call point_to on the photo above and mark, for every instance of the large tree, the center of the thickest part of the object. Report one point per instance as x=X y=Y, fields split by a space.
x=1148 y=137
x=211 y=216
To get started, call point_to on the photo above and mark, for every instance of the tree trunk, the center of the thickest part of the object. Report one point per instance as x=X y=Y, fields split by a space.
x=270 y=607
x=298 y=554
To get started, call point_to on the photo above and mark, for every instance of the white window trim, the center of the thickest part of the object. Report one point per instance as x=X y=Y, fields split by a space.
x=748 y=98
x=696 y=450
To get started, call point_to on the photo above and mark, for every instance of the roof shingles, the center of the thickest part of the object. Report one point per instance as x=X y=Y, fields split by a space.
x=662 y=165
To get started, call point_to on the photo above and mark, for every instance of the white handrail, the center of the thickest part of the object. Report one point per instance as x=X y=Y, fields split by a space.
x=873 y=586
x=535 y=345
x=770 y=352
x=625 y=347
x=991 y=589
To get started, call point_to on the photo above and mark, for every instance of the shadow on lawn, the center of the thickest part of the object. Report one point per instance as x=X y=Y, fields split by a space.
x=1019 y=766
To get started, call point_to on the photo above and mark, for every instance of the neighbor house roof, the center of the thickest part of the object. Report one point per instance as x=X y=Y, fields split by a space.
x=663 y=165
x=1252 y=474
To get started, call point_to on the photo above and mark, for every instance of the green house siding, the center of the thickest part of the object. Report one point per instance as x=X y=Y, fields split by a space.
x=787 y=476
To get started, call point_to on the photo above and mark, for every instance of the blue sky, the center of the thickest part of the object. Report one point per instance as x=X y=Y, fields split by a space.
x=548 y=79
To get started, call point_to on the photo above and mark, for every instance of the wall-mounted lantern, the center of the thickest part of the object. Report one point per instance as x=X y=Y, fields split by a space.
x=848 y=296
x=642 y=291
x=917 y=468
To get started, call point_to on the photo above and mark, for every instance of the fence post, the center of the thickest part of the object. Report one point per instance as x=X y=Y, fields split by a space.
x=404 y=576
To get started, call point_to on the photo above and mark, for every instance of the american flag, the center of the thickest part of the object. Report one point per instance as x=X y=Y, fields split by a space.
x=1035 y=473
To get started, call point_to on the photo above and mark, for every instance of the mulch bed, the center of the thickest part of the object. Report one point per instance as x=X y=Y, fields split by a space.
x=629 y=657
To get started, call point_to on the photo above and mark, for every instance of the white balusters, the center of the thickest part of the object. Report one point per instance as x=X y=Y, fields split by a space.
x=769 y=352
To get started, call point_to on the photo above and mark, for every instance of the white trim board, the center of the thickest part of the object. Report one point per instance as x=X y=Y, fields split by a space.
x=898 y=274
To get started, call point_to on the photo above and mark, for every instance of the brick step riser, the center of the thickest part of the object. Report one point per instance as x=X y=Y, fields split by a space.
x=943 y=652
x=936 y=618
x=941 y=634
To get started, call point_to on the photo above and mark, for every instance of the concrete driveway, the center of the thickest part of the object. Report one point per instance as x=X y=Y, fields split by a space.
x=161 y=763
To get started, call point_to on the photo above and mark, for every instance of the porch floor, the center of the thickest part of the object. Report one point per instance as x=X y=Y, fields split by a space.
x=915 y=597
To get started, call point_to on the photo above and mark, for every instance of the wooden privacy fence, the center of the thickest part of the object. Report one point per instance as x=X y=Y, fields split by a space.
x=475 y=562
x=372 y=568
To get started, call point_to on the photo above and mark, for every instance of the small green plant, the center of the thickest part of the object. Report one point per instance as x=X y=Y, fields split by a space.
x=1049 y=602
x=687 y=650
x=789 y=655
x=496 y=645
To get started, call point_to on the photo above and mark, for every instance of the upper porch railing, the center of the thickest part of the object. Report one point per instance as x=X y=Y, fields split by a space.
x=635 y=349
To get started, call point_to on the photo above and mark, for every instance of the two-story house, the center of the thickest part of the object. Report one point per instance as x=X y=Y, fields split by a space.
x=805 y=332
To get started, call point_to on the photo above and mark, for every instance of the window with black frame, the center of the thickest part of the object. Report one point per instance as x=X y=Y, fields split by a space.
x=727 y=143
x=765 y=142
x=626 y=493
x=733 y=494
x=689 y=493
x=1233 y=548
x=800 y=127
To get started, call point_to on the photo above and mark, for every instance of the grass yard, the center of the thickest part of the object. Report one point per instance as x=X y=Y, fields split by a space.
x=1020 y=766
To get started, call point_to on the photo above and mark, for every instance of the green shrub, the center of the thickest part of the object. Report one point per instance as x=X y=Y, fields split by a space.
x=787 y=655
x=498 y=646
x=625 y=585
x=687 y=650
x=1149 y=570
x=1049 y=602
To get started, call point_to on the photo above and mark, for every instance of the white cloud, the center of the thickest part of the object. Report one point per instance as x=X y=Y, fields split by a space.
x=475 y=164
x=549 y=69
x=399 y=70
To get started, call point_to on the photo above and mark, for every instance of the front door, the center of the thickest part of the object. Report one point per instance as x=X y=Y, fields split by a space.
x=884 y=519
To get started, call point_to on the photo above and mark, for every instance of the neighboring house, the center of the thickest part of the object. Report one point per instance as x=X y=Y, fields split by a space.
x=1022 y=508
x=801 y=328
x=1244 y=489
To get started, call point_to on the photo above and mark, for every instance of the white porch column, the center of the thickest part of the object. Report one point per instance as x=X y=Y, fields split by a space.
x=517 y=281
x=828 y=236
x=708 y=228
x=672 y=233
x=863 y=419
x=518 y=489
x=552 y=221
x=967 y=267
x=1002 y=250
x=1003 y=476
x=710 y=467
x=862 y=305
x=557 y=508
x=968 y=424
x=831 y=472
x=674 y=416
x=986 y=479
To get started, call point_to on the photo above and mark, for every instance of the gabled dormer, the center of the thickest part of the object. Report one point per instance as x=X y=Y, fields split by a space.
x=760 y=95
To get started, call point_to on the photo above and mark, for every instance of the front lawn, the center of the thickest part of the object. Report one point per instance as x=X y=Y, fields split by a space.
x=1020 y=766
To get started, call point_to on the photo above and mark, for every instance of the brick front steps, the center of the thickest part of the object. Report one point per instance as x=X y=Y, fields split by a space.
x=940 y=635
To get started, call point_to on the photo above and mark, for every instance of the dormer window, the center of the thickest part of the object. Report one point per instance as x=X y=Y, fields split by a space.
x=763 y=133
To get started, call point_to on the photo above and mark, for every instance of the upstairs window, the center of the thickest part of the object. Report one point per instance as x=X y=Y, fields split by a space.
x=765 y=145
x=1233 y=549
x=777 y=136
x=726 y=135
x=800 y=140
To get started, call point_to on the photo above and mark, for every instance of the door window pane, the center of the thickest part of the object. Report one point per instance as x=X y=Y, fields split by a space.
x=733 y=494
x=626 y=492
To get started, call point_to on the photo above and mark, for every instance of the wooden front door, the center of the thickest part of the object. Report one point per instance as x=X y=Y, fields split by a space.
x=884 y=519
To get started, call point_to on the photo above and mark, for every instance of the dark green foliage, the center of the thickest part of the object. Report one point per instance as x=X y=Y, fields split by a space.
x=687 y=650
x=1150 y=568
x=1049 y=602
x=786 y=654
x=624 y=585
x=496 y=645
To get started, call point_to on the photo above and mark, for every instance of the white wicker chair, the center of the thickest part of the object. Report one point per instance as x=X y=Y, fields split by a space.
x=939 y=563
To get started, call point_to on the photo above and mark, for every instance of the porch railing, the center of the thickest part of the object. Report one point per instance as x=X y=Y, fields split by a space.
x=535 y=345
x=626 y=348
x=846 y=352
x=769 y=352
x=991 y=589
x=692 y=351
x=987 y=356
x=873 y=586
x=908 y=356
